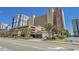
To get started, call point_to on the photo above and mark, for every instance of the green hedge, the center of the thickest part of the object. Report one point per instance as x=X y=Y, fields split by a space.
x=60 y=37
x=27 y=37
x=54 y=37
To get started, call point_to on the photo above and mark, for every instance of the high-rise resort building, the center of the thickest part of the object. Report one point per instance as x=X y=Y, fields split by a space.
x=75 y=23
x=19 y=20
x=44 y=19
x=58 y=18
x=55 y=17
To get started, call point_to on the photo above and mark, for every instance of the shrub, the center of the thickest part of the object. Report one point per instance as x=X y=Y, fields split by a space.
x=27 y=37
x=49 y=38
x=53 y=37
x=61 y=37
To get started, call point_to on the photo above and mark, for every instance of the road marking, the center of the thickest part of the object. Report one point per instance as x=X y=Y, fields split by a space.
x=56 y=48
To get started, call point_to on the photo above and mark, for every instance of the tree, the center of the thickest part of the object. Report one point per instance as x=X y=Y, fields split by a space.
x=63 y=32
x=54 y=30
x=49 y=28
x=14 y=32
x=26 y=31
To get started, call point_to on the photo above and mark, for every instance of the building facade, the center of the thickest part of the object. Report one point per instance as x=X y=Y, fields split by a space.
x=4 y=27
x=30 y=21
x=44 y=19
x=75 y=23
x=53 y=16
x=19 y=20
x=40 y=20
x=58 y=18
x=50 y=15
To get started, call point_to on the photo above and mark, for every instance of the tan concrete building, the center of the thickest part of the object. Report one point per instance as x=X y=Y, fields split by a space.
x=58 y=18
x=44 y=19
x=50 y=14
x=30 y=21
x=40 y=20
x=53 y=16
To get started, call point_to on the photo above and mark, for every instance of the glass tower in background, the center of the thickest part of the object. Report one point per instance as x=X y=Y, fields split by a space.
x=76 y=27
x=19 y=20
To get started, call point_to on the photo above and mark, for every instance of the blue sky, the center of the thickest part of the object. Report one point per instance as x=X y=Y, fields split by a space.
x=7 y=13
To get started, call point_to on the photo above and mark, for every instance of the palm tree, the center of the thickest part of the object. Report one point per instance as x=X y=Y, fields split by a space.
x=54 y=30
x=67 y=33
x=63 y=32
x=49 y=28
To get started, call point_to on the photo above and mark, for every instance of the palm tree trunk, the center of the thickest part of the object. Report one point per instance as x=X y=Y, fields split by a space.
x=50 y=33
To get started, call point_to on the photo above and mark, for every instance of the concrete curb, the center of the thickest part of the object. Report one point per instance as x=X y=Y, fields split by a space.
x=73 y=43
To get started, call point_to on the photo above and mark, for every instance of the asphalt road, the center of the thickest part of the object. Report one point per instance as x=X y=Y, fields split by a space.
x=11 y=44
